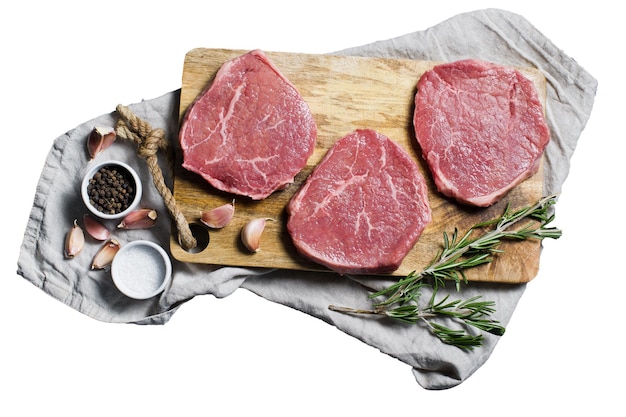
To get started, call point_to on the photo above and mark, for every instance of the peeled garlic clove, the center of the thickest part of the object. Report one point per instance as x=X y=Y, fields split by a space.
x=251 y=233
x=219 y=216
x=99 y=139
x=105 y=254
x=74 y=241
x=139 y=219
x=95 y=229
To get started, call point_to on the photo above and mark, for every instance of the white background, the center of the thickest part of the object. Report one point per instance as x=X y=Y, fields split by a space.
x=65 y=62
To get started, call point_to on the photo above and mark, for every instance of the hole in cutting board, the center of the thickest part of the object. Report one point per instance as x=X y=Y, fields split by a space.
x=202 y=237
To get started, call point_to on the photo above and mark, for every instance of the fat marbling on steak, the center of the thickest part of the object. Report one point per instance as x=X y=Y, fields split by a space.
x=481 y=129
x=363 y=207
x=250 y=131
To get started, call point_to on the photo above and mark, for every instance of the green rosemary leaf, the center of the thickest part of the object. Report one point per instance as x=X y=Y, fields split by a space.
x=475 y=260
x=408 y=313
x=440 y=306
x=465 y=240
x=446 y=241
x=458 y=338
x=490 y=326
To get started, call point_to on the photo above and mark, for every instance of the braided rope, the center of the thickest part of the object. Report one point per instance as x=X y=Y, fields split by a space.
x=149 y=141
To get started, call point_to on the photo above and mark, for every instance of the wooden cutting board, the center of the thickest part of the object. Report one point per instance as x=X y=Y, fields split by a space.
x=344 y=93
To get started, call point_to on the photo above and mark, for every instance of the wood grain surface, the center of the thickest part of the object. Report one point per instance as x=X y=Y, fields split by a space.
x=344 y=94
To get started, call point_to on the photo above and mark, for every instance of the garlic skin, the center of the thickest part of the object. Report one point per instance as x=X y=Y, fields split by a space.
x=218 y=217
x=99 y=139
x=95 y=229
x=74 y=241
x=139 y=219
x=105 y=254
x=251 y=233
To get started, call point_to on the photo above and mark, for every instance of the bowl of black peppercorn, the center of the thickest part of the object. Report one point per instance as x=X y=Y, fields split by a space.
x=111 y=189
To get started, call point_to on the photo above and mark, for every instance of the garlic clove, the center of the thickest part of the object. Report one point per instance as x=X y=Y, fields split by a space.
x=105 y=254
x=251 y=233
x=139 y=219
x=99 y=139
x=219 y=216
x=74 y=241
x=95 y=229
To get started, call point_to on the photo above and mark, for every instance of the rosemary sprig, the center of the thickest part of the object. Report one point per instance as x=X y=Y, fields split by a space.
x=457 y=255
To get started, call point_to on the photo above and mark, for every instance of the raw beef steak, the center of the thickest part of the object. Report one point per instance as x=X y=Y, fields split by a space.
x=250 y=132
x=363 y=207
x=481 y=129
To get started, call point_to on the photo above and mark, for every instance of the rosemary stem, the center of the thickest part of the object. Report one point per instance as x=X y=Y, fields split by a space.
x=424 y=315
x=351 y=310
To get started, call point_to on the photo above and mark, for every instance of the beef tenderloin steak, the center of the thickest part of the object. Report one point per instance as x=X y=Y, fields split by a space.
x=481 y=129
x=362 y=209
x=250 y=132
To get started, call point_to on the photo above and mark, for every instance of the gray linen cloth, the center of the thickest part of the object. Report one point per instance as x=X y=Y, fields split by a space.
x=493 y=35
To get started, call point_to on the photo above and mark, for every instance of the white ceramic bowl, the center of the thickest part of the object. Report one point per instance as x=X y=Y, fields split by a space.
x=141 y=269
x=132 y=176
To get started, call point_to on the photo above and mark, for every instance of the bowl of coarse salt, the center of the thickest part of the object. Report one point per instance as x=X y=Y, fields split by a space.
x=141 y=269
